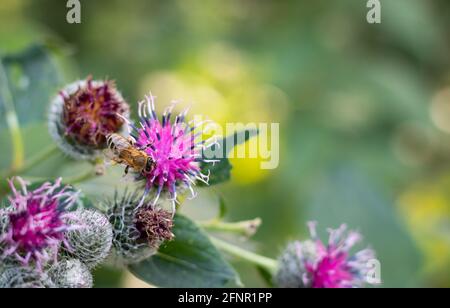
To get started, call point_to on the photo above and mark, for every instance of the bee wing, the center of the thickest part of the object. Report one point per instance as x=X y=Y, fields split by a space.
x=121 y=142
x=110 y=157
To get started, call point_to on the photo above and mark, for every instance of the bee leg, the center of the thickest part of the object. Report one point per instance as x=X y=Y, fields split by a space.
x=127 y=168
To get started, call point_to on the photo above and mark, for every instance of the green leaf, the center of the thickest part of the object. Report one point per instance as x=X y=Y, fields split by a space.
x=36 y=140
x=220 y=171
x=266 y=276
x=32 y=79
x=27 y=82
x=9 y=115
x=189 y=261
x=222 y=208
x=106 y=277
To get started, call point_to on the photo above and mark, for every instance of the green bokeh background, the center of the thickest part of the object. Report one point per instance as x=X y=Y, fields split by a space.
x=364 y=110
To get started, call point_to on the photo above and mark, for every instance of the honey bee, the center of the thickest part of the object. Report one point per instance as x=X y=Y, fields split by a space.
x=123 y=151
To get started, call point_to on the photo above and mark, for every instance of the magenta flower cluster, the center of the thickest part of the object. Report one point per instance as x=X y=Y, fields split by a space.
x=333 y=266
x=313 y=264
x=175 y=148
x=37 y=222
x=38 y=225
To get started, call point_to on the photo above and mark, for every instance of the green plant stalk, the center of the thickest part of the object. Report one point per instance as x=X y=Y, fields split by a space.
x=16 y=140
x=18 y=149
x=35 y=160
x=76 y=179
x=270 y=265
x=245 y=228
x=82 y=177
x=39 y=158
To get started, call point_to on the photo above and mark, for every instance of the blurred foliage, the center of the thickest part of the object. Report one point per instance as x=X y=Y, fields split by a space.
x=363 y=109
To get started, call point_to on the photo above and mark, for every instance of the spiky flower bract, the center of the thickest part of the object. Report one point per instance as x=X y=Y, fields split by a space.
x=84 y=114
x=24 y=278
x=291 y=269
x=37 y=222
x=312 y=264
x=175 y=148
x=91 y=243
x=4 y=221
x=137 y=231
x=155 y=225
x=71 y=274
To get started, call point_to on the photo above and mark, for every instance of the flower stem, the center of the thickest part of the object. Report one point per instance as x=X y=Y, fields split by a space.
x=39 y=158
x=264 y=262
x=246 y=228
x=34 y=161
x=18 y=149
x=82 y=177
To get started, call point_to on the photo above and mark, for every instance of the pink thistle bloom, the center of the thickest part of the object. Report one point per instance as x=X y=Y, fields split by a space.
x=36 y=222
x=313 y=264
x=333 y=266
x=173 y=146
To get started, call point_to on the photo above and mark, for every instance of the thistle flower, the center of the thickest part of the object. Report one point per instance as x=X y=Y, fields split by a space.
x=71 y=274
x=24 y=278
x=137 y=231
x=37 y=222
x=84 y=114
x=311 y=264
x=173 y=146
x=92 y=242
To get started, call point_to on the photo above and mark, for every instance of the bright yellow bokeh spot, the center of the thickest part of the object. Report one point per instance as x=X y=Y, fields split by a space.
x=248 y=170
x=10 y=6
x=426 y=209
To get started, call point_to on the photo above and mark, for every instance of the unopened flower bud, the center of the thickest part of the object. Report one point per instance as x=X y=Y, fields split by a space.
x=137 y=232
x=24 y=278
x=71 y=274
x=291 y=267
x=91 y=242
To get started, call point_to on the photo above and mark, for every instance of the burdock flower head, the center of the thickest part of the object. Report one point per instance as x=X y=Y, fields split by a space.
x=174 y=147
x=71 y=273
x=37 y=222
x=84 y=114
x=138 y=232
x=91 y=243
x=312 y=264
